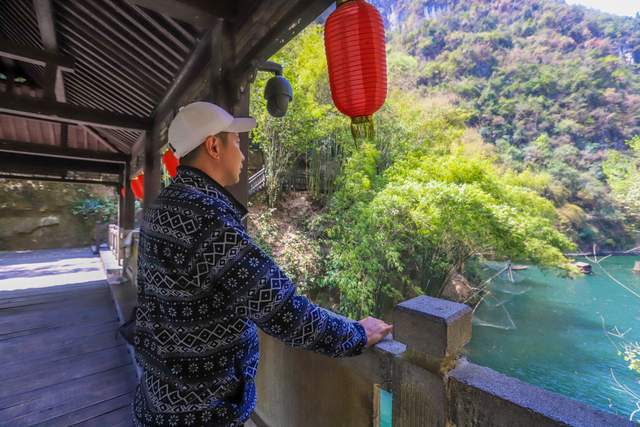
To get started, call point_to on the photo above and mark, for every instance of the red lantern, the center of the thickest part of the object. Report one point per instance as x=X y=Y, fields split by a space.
x=170 y=162
x=122 y=191
x=137 y=186
x=356 y=58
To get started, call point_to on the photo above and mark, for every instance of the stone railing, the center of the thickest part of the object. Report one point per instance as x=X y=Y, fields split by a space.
x=114 y=242
x=420 y=370
x=121 y=243
x=415 y=379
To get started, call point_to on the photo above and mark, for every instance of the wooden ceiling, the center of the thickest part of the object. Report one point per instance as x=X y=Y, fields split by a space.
x=90 y=76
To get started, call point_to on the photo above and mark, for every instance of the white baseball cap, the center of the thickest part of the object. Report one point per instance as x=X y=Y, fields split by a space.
x=196 y=121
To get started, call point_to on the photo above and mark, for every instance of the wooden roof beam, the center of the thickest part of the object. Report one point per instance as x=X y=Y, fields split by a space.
x=38 y=177
x=265 y=34
x=54 y=83
x=105 y=141
x=8 y=146
x=32 y=164
x=199 y=13
x=35 y=56
x=61 y=112
x=197 y=59
x=138 y=146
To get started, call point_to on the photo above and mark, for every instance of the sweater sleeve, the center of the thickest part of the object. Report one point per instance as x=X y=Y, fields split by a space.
x=256 y=288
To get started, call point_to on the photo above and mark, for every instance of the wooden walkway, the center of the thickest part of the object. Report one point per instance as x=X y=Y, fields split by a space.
x=61 y=363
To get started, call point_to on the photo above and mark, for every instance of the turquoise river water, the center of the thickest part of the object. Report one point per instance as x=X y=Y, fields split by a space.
x=548 y=331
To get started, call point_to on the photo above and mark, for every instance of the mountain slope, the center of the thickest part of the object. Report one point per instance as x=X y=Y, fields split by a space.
x=552 y=86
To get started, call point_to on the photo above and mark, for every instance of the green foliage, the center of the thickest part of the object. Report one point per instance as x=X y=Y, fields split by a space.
x=407 y=209
x=405 y=222
x=311 y=120
x=552 y=86
x=95 y=208
x=622 y=171
x=297 y=253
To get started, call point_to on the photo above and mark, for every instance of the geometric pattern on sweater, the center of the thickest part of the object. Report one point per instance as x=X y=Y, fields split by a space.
x=204 y=289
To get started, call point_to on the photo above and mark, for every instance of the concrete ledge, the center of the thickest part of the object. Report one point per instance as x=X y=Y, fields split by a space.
x=111 y=268
x=297 y=387
x=480 y=396
x=432 y=326
x=419 y=396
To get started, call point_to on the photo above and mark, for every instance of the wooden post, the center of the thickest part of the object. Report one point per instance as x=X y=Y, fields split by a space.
x=230 y=92
x=126 y=211
x=241 y=190
x=152 y=168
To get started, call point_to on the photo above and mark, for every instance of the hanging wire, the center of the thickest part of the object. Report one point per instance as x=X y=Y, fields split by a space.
x=605 y=271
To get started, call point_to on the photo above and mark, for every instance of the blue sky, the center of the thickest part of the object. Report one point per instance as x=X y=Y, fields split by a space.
x=618 y=7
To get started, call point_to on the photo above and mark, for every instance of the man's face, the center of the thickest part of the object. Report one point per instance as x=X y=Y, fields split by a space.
x=232 y=156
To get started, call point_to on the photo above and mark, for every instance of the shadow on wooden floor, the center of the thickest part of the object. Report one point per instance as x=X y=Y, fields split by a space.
x=62 y=363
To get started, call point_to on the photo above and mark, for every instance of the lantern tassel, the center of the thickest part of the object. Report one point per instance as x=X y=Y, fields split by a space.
x=362 y=127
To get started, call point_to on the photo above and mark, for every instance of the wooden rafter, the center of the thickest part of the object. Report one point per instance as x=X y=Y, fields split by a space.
x=58 y=111
x=64 y=135
x=197 y=59
x=59 y=179
x=8 y=146
x=117 y=146
x=40 y=164
x=35 y=56
x=199 y=13
x=138 y=146
x=258 y=46
x=54 y=83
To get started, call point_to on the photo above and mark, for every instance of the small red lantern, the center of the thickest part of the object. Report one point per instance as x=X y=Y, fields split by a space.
x=122 y=191
x=356 y=58
x=137 y=186
x=170 y=162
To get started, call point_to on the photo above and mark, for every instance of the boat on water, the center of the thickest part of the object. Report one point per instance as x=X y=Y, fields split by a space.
x=519 y=267
x=584 y=267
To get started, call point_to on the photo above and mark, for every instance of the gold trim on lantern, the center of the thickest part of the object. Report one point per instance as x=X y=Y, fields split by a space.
x=362 y=127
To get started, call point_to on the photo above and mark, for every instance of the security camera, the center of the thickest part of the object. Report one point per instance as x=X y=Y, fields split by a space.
x=278 y=94
x=278 y=91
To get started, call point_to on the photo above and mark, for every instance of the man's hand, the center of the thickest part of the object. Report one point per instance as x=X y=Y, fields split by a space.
x=376 y=329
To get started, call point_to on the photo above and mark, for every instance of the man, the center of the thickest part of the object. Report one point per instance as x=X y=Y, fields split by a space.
x=204 y=288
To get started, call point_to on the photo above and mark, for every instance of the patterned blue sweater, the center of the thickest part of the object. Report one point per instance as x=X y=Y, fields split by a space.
x=204 y=287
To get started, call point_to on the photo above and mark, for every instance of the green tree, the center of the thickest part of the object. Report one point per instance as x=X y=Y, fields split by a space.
x=402 y=230
x=551 y=86
x=623 y=175
x=94 y=208
x=311 y=121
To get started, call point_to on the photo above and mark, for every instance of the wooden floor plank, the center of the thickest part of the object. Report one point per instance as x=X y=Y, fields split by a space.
x=56 y=330
x=43 y=404
x=62 y=361
x=48 y=374
x=88 y=299
x=52 y=291
x=97 y=284
x=69 y=316
x=49 y=298
x=90 y=412
x=54 y=334
x=18 y=369
x=67 y=348
x=120 y=417
x=42 y=255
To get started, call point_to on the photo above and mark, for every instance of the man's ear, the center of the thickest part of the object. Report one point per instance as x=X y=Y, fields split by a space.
x=212 y=146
